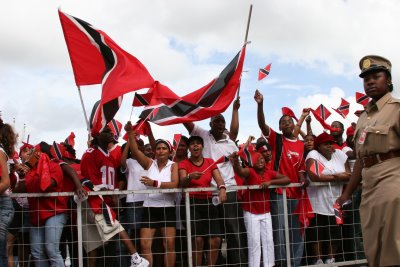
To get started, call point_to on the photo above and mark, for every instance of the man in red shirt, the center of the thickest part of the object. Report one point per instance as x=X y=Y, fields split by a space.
x=287 y=158
x=98 y=168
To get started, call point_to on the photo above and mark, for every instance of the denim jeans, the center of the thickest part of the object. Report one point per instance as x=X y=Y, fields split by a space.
x=130 y=219
x=278 y=223
x=45 y=242
x=6 y=216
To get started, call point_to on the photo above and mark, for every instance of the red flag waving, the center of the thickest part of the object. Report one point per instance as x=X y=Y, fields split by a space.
x=343 y=109
x=210 y=100
x=323 y=112
x=289 y=112
x=177 y=140
x=362 y=99
x=246 y=153
x=96 y=59
x=222 y=159
x=322 y=121
x=262 y=73
x=142 y=99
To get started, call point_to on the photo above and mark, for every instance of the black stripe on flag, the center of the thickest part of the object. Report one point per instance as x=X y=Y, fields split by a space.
x=106 y=52
x=57 y=150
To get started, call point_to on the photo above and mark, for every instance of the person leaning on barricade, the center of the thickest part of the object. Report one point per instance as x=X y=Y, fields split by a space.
x=327 y=165
x=159 y=208
x=377 y=147
x=217 y=143
x=287 y=159
x=198 y=172
x=7 y=141
x=98 y=170
x=18 y=231
x=256 y=207
x=47 y=214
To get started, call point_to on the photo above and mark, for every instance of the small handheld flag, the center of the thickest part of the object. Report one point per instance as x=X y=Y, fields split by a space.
x=362 y=99
x=323 y=112
x=222 y=159
x=262 y=73
x=343 y=109
x=317 y=168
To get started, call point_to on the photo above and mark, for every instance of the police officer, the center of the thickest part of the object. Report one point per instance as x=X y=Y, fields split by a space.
x=377 y=147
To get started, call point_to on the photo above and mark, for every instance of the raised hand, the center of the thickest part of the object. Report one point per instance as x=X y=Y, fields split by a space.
x=258 y=97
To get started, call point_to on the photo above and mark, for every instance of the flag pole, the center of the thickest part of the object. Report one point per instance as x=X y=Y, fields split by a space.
x=84 y=110
x=130 y=117
x=245 y=43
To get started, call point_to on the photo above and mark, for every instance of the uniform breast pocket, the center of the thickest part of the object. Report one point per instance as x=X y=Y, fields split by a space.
x=377 y=138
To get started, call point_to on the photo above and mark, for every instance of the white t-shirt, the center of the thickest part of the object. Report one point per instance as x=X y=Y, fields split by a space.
x=159 y=199
x=215 y=149
x=323 y=197
x=133 y=173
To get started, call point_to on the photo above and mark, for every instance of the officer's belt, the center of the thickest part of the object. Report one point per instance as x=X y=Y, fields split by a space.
x=371 y=160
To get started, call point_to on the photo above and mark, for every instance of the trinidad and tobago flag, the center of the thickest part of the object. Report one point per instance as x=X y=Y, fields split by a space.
x=246 y=153
x=317 y=168
x=210 y=100
x=322 y=121
x=262 y=73
x=362 y=99
x=97 y=59
x=323 y=112
x=343 y=109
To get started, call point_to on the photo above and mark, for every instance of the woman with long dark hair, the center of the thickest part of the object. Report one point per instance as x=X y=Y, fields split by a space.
x=7 y=142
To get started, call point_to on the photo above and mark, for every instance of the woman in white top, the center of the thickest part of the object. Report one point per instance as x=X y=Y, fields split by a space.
x=159 y=208
x=323 y=231
x=7 y=142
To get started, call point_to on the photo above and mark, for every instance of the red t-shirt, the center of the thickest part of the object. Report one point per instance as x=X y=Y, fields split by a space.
x=69 y=185
x=291 y=161
x=97 y=166
x=115 y=156
x=256 y=201
x=204 y=180
x=42 y=208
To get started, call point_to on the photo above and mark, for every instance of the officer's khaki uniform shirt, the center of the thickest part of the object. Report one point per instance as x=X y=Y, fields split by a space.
x=379 y=125
x=381 y=122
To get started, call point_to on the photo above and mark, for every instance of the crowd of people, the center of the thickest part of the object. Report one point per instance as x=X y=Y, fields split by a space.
x=130 y=230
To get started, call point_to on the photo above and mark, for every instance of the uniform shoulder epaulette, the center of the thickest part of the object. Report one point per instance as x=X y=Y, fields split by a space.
x=394 y=100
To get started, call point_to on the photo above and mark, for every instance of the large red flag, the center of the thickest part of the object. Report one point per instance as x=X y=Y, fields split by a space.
x=210 y=100
x=96 y=59
x=343 y=109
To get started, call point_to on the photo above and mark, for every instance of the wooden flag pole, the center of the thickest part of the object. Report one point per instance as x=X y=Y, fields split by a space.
x=84 y=110
x=248 y=24
x=245 y=42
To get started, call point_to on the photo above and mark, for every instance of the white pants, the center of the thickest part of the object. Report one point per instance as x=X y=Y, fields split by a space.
x=259 y=232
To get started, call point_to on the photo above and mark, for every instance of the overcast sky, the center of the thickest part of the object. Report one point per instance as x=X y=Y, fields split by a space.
x=314 y=47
